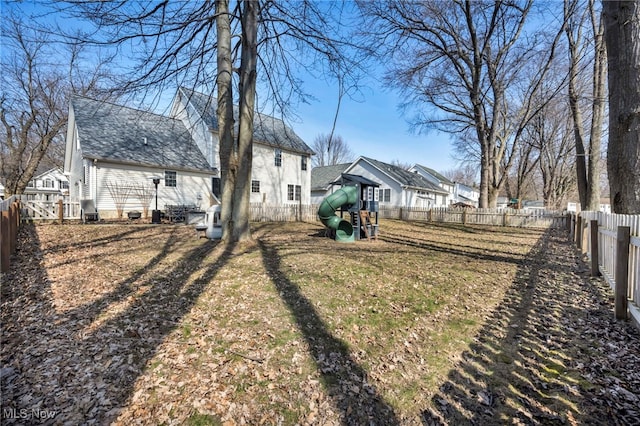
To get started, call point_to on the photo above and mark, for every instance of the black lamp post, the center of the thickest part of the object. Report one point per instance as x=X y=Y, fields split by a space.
x=155 y=214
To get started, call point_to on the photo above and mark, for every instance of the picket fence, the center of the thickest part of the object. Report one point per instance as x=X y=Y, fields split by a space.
x=492 y=217
x=518 y=218
x=607 y=258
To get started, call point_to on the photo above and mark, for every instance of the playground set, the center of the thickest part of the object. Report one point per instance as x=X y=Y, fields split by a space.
x=357 y=197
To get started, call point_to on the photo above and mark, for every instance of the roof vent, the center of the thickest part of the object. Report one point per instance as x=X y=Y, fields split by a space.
x=144 y=140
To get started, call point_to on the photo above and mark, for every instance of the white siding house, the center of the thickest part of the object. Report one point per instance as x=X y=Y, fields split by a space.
x=281 y=166
x=466 y=195
x=110 y=146
x=398 y=187
x=433 y=176
x=49 y=186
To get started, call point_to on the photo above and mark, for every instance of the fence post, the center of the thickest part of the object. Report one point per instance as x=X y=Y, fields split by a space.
x=13 y=226
x=429 y=215
x=594 y=249
x=584 y=236
x=622 y=271
x=464 y=217
x=5 y=249
x=400 y=214
x=579 y=233
x=572 y=227
x=504 y=219
x=60 y=211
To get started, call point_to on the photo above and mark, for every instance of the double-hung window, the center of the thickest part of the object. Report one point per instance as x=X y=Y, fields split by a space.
x=294 y=192
x=170 y=178
x=278 y=157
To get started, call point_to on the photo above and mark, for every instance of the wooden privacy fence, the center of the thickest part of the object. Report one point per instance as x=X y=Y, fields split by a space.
x=9 y=225
x=612 y=244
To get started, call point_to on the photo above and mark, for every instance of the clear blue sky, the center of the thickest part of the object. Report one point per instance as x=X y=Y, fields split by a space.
x=373 y=128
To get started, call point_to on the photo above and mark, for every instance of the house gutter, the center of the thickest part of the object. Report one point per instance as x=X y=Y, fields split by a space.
x=421 y=188
x=213 y=170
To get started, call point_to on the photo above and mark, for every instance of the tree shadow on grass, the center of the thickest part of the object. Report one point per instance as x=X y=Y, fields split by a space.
x=344 y=379
x=82 y=365
x=521 y=367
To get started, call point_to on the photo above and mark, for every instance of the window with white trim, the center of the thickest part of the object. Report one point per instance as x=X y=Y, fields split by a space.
x=170 y=178
x=294 y=192
x=278 y=157
x=384 y=195
x=255 y=186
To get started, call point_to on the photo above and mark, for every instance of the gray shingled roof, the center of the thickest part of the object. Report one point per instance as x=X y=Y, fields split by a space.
x=405 y=177
x=267 y=130
x=117 y=133
x=322 y=177
x=435 y=174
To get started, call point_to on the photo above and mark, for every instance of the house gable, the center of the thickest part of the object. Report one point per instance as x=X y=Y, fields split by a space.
x=280 y=170
x=267 y=130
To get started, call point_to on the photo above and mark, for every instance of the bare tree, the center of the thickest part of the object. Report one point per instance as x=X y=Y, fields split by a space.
x=551 y=135
x=401 y=164
x=466 y=174
x=34 y=99
x=330 y=151
x=520 y=184
x=622 y=34
x=257 y=43
x=582 y=38
x=467 y=69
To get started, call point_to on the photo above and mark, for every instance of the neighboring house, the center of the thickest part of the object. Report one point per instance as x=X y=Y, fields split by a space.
x=281 y=168
x=502 y=203
x=323 y=181
x=465 y=194
x=399 y=187
x=110 y=147
x=49 y=186
x=437 y=178
x=605 y=206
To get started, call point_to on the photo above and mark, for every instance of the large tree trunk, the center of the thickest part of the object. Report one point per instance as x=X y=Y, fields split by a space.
x=578 y=132
x=248 y=63
x=228 y=152
x=597 y=118
x=622 y=35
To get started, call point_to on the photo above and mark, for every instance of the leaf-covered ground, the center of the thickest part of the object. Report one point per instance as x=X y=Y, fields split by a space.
x=432 y=324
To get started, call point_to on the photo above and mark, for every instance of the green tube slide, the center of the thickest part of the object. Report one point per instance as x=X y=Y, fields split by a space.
x=347 y=195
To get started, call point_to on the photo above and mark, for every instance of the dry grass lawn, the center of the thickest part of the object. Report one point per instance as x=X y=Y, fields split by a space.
x=131 y=324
